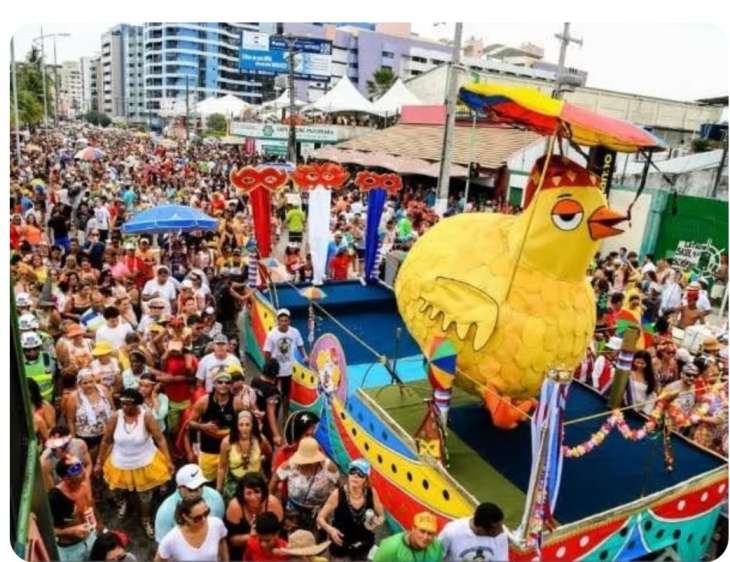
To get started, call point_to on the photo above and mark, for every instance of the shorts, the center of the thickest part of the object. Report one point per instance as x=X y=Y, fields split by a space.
x=284 y=386
x=208 y=463
x=92 y=442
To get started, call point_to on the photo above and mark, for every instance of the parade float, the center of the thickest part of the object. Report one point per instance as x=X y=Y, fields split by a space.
x=492 y=310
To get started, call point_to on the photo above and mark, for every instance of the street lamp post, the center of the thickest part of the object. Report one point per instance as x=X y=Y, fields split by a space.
x=15 y=100
x=42 y=38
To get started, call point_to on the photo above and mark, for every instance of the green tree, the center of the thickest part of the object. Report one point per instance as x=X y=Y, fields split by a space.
x=216 y=123
x=29 y=77
x=96 y=118
x=383 y=79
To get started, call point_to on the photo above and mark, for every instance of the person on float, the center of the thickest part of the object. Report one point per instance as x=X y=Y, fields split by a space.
x=642 y=386
x=356 y=511
x=134 y=457
x=190 y=484
x=250 y=500
x=604 y=366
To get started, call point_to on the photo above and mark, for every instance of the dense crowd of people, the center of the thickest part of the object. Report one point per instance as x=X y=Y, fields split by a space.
x=134 y=348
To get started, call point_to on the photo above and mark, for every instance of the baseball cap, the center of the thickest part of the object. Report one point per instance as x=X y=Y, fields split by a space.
x=222 y=375
x=190 y=476
x=426 y=521
x=283 y=312
x=360 y=464
x=187 y=284
x=221 y=338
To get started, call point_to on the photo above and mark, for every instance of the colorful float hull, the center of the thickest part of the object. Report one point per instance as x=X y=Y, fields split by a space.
x=353 y=424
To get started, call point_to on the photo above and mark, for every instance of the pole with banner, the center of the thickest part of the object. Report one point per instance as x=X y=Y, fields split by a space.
x=602 y=162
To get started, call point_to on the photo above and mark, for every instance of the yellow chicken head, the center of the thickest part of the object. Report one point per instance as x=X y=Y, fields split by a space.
x=569 y=218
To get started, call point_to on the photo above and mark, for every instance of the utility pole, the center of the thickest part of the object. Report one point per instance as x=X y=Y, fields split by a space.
x=447 y=148
x=15 y=99
x=565 y=40
x=55 y=82
x=43 y=79
x=187 y=108
x=292 y=144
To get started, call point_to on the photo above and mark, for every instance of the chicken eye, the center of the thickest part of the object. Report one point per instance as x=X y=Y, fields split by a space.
x=567 y=214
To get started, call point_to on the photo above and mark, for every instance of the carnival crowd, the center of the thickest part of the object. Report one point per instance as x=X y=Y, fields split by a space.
x=135 y=353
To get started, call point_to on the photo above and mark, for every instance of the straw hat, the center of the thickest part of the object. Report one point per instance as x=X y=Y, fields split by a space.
x=308 y=452
x=303 y=543
x=102 y=347
x=711 y=344
x=75 y=330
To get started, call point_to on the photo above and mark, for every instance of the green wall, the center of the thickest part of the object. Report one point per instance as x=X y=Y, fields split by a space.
x=697 y=219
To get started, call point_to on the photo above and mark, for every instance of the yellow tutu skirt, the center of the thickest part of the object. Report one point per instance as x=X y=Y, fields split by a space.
x=137 y=479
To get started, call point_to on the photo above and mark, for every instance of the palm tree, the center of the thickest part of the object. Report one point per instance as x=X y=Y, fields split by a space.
x=383 y=79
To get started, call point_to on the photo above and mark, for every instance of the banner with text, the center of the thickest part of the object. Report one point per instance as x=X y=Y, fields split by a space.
x=268 y=55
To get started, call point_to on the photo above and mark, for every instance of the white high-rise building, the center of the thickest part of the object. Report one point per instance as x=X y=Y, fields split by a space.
x=70 y=91
x=122 y=73
x=88 y=70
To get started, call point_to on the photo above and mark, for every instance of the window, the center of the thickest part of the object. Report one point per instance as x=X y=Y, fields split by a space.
x=388 y=55
x=419 y=59
x=353 y=65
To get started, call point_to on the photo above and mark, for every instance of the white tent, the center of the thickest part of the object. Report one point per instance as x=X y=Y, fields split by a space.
x=229 y=105
x=343 y=97
x=282 y=102
x=396 y=97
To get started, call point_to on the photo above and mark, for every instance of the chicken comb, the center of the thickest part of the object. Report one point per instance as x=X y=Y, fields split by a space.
x=561 y=172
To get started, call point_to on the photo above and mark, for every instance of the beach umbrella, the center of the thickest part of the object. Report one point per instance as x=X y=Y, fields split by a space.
x=441 y=370
x=89 y=154
x=544 y=115
x=169 y=218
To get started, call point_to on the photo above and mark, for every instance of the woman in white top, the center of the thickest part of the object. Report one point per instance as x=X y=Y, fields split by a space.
x=197 y=537
x=87 y=410
x=129 y=458
x=642 y=385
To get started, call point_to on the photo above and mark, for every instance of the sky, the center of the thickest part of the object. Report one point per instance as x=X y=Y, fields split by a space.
x=683 y=61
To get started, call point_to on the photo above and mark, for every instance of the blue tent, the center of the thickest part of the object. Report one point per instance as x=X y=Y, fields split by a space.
x=169 y=218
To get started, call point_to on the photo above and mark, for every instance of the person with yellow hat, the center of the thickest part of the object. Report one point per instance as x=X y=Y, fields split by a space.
x=418 y=543
x=106 y=367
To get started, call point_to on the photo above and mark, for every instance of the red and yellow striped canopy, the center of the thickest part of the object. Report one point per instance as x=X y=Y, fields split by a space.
x=545 y=115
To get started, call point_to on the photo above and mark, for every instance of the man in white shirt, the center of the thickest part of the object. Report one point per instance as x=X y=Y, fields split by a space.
x=161 y=286
x=482 y=537
x=216 y=361
x=280 y=344
x=114 y=329
x=103 y=219
x=648 y=264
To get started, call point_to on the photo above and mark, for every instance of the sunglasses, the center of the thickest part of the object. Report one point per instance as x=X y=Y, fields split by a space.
x=223 y=382
x=199 y=518
x=75 y=469
x=357 y=472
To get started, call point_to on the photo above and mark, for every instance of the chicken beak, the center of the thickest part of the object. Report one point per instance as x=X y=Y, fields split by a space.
x=601 y=223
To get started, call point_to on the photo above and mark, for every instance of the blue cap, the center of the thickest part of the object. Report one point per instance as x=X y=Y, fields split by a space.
x=360 y=464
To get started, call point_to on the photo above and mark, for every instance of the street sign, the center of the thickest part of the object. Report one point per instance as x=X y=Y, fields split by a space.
x=268 y=55
x=305 y=133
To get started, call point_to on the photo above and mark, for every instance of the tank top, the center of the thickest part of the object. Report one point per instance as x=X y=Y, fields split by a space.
x=357 y=540
x=91 y=419
x=222 y=416
x=243 y=527
x=133 y=445
x=240 y=464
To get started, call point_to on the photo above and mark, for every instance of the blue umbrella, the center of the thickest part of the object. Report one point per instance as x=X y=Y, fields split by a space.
x=169 y=218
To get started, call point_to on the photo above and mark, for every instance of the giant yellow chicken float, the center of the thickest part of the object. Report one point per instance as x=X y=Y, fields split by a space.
x=516 y=303
x=509 y=291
